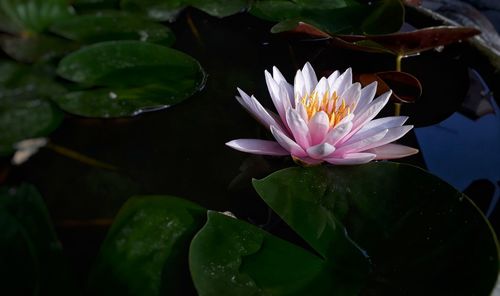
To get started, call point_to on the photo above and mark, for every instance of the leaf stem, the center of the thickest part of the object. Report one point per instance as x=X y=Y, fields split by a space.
x=194 y=29
x=399 y=57
x=80 y=157
x=397 y=106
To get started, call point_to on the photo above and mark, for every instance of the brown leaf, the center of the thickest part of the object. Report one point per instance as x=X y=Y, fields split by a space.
x=405 y=87
x=310 y=30
x=403 y=43
x=408 y=43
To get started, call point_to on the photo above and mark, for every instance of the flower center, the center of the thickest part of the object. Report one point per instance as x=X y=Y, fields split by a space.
x=330 y=104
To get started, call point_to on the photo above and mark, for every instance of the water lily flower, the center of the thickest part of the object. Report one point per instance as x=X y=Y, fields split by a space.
x=331 y=120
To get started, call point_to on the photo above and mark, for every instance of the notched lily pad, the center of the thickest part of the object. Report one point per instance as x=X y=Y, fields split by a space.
x=422 y=236
x=105 y=26
x=131 y=77
x=231 y=257
x=405 y=87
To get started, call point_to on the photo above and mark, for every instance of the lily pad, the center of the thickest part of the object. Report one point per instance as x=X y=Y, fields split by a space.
x=30 y=255
x=220 y=8
x=33 y=48
x=105 y=26
x=168 y=10
x=384 y=16
x=35 y=15
x=159 y=10
x=134 y=76
x=231 y=257
x=24 y=111
x=421 y=235
x=145 y=252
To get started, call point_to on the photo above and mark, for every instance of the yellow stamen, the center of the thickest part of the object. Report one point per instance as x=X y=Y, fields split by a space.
x=327 y=103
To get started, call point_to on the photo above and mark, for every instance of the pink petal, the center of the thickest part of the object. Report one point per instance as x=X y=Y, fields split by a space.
x=352 y=94
x=392 y=135
x=351 y=159
x=274 y=91
x=299 y=128
x=288 y=143
x=310 y=79
x=342 y=82
x=384 y=122
x=320 y=151
x=366 y=97
x=371 y=111
x=299 y=86
x=301 y=110
x=392 y=151
x=376 y=126
x=257 y=110
x=318 y=127
x=338 y=132
x=256 y=146
x=321 y=87
x=281 y=81
x=332 y=78
x=361 y=144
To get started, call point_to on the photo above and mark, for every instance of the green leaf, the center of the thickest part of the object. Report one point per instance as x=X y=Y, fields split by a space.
x=104 y=26
x=36 y=15
x=110 y=102
x=24 y=113
x=220 y=8
x=146 y=249
x=421 y=235
x=168 y=10
x=31 y=261
x=383 y=16
x=136 y=76
x=35 y=48
x=387 y=17
x=129 y=63
x=159 y=10
x=231 y=257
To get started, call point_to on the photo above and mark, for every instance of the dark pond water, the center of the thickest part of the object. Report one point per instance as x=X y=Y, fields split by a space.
x=180 y=150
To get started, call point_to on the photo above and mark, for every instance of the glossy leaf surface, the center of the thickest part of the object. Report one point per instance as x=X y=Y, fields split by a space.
x=232 y=257
x=421 y=235
x=135 y=76
x=145 y=251
x=105 y=26
x=155 y=9
x=220 y=8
